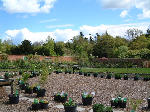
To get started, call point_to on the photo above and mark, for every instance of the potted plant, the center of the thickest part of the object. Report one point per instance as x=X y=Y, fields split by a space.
x=61 y=97
x=88 y=74
x=43 y=79
x=70 y=106
x=87 y=98
x=29 y=90
x=14 y=98
x=118 y=76
x=119 y=102
x=98 y=108
x=146 y=78
x=102 y=75
x=85 y=73
x=136 y=77
x=80 y=72
x=125 y=77
x=109 y=75
x=44 y=104
x=95 y=74
x=36 y=105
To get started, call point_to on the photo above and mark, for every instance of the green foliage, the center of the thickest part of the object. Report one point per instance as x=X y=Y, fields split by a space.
x=25 y=76
x=122 y=52
x=44 y=75
x=70 y=103
x=134 y=103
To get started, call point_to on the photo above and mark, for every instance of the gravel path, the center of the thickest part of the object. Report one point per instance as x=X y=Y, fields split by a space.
x=75 y=84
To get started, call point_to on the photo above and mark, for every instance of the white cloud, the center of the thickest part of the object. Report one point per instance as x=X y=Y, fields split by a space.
x=113 y=4
x=114 y=30
x=124 y=13
x=144 y=5
x=28 y=6
x=19 y=35
x=48 y=20
x=59 y=26
x=66 y=34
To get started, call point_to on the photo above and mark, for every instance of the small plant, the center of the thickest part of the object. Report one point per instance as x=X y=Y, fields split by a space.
x=134 y=104
x=125 y=77
x=25 y=76
x=109 y=75
x=136 y=77
x=36 y=101
x=108 y=109
x=87 y=98
x=70 y=103
x=118 y=76
x=95 y=74
x=88 y=95
x=98 y=108
x=119 y=102
x=61 y=97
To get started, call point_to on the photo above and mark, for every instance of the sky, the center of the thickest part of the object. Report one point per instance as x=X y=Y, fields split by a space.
x=35 y=20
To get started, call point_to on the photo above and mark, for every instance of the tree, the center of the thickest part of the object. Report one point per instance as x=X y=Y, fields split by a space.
x=59 y=48
x=148 y=33
x=133 y=33
x=48 y=47
x=104 y=46
x=26 y=47
x=122 y=52
x=139 y=42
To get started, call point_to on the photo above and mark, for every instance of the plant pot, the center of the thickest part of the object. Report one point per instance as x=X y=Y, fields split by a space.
x=70 y=108
x=44 y=105
x=148 y=101
x=87 y=101
x=57 y=72
x=80 y=73
x=58 y=98
x=108 y=77
x=36 y=106
x=146 y=79
x=85 y=74
x=41 y=93
x=136 y=78
x=95 y=74
x=125 y=78
x=13 y=99
x=123 y=104
x=102 y=76
x=35 y=89
x=112 y=103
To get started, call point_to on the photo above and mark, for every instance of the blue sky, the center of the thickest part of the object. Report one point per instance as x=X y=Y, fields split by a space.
x=62 y=19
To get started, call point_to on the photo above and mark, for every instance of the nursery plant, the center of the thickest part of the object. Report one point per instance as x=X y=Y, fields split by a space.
x=95 y=74
x=118 y=76
x=125 y=77
x=14 y=98
x=87 y=98
x=36 y=105
x=70 y=106
x=119 y=102
x=43 y=79
x=101 y=108
x=109 y=75
x=44 y=104
x=60 y=97
x=136 y=77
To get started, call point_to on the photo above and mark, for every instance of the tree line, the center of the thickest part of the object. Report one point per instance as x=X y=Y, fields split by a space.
x=135 y=44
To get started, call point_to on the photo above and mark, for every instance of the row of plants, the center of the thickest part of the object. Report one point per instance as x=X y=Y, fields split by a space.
x=145 y=77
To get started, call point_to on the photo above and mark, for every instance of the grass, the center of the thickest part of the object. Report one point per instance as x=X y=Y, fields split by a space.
x=117 y=70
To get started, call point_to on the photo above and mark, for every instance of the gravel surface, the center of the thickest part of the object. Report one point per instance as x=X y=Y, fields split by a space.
x=74 y=85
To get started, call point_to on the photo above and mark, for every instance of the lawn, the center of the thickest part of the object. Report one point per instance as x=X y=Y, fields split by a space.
x=117 y=70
